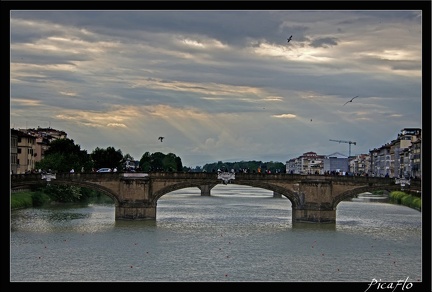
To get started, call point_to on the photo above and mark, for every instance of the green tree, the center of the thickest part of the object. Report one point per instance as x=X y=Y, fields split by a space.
x=109 y=157
x=63 y=155
x=145 y=162
x=63 y=193
x=159 y=161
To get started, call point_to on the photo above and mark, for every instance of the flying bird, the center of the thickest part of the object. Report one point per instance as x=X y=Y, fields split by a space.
x=161 y=138
x=350 y=100
x=289 y=39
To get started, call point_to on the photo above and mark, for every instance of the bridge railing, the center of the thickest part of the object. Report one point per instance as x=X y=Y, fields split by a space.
x=23 y=178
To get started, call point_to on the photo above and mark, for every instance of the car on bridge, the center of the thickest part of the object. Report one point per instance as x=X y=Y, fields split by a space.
x=104 y=169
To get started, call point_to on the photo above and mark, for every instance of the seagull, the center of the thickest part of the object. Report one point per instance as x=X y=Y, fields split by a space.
x=350 y=100
x=289 y=39
x=161 y=138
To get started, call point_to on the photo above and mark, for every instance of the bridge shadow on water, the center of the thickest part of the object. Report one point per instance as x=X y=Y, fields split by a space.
x=135 y=224
x=304 y=226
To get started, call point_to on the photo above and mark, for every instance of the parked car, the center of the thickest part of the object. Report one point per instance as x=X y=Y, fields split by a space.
x=104 y=169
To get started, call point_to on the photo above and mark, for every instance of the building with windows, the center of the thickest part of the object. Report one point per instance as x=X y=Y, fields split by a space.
x=336 y=163
x=359 y=164
x=415 y=159
x=25 y=152
x=28 y=146
x=308 y=163
x=396 y=158
x=14 y=151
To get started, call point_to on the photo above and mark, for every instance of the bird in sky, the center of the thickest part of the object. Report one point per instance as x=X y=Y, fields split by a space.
x=289 y=39
x=350 y=100
x=161 y=138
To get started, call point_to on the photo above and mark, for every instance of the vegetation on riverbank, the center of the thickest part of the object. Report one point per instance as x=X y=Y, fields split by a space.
x=54 y=194
x=405 y=199
x=27 y=199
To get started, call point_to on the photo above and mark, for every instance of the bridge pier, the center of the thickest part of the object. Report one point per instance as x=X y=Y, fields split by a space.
x=135 y=211
x=313 y=216
x=205 y=189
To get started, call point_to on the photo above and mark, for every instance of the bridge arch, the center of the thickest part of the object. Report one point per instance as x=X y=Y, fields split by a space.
x=354 y=192
x=290 y=195
x=178 y=186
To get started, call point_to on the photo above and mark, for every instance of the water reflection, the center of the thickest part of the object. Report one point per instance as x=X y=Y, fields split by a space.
x=369 y=197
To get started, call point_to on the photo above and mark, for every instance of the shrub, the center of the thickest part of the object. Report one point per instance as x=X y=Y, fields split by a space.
x=39 y=198
x=405 y=199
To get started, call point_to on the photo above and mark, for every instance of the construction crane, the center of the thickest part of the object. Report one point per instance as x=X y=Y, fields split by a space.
x=349 y=142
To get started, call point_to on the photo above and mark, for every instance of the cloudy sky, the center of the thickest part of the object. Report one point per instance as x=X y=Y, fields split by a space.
x=218 y=85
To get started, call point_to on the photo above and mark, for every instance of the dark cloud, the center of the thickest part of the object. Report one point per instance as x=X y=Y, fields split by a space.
x=324 y=42
x=218 y=82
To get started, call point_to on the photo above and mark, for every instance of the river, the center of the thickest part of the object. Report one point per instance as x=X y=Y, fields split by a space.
x=238 y=234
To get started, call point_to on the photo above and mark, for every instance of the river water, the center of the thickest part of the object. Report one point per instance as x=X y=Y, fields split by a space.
x=238 y=234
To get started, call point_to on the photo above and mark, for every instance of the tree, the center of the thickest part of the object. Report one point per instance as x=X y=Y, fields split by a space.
x=109 y=157
x=63 y=155
x=159 y=161
x=145 y=162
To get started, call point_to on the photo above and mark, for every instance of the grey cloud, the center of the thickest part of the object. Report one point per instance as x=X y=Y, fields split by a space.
x=324 y=42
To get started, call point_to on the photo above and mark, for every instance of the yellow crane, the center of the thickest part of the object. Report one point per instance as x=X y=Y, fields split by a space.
x=349 y=142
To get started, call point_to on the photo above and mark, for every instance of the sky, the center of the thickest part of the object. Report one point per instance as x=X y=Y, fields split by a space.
x=218 y=85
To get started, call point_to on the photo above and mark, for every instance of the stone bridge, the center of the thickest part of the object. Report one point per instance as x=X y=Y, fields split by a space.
x=314 y=198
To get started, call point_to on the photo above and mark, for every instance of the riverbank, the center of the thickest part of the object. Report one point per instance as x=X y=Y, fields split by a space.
x=28 y=199
x=402 y=198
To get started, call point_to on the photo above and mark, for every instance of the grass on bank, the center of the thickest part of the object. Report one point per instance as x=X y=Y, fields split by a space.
x=27 y=199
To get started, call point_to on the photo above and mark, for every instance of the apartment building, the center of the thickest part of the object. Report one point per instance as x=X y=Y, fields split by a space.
x=396 y=158
x=28 y=146
x=14 y=151
x=415 y=159
x=360 y=164
x=308 y=163
x=43 y=137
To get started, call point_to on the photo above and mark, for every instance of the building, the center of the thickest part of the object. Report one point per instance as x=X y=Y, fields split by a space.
x=359 y=164
x=43 y=136
x=396 y=158
x=26 y=145
x=308 y=163
x=415 y=159
x=336 y=163
x=14 y=151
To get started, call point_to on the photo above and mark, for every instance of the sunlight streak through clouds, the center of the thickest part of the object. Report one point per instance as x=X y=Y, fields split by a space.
x=218 y=84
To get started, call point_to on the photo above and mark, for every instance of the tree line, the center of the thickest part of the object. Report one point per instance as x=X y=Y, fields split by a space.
x=246 y=166
x=64 y=155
